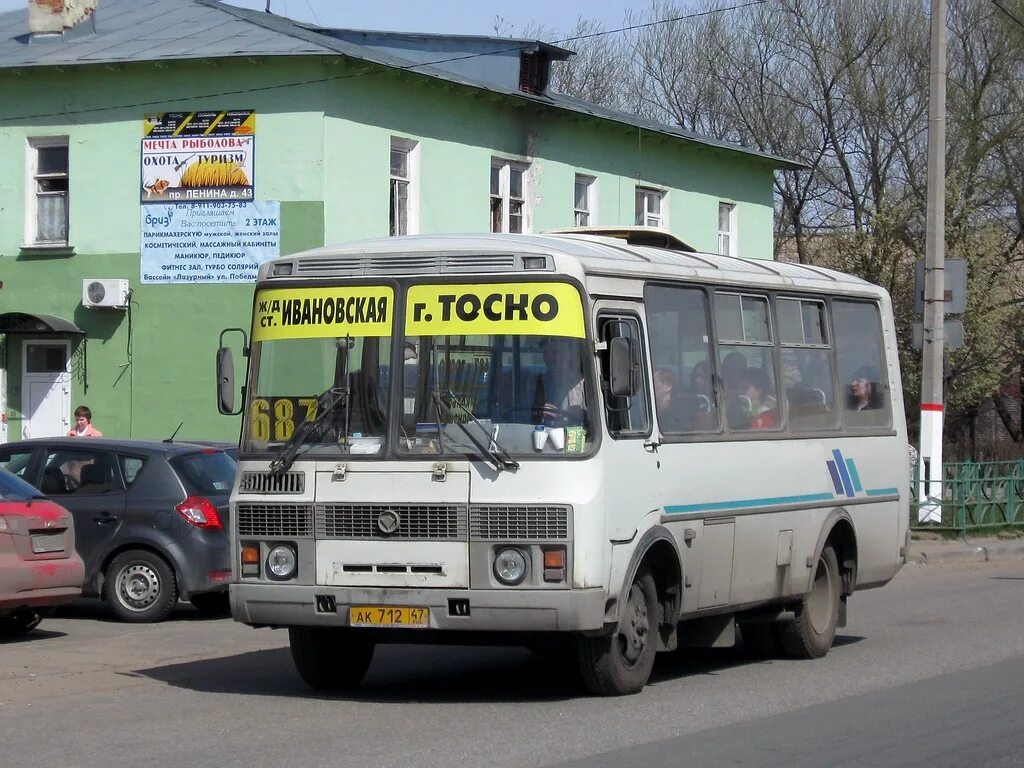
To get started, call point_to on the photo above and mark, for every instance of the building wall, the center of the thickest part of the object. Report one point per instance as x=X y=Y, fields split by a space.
x=322 y=149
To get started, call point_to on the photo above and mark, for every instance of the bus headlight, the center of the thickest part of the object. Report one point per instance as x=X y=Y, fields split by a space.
x=281 y=562
x=510 y=566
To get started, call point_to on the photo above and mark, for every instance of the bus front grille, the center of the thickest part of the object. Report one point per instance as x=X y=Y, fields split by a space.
x=506 y=522
x=269 y=482
x=433 y=522
x=270 y=520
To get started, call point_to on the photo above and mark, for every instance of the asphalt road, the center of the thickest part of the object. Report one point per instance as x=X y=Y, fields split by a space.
x=930 y=671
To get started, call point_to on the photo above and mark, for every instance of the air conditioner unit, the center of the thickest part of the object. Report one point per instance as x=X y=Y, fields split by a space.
x=111 y=293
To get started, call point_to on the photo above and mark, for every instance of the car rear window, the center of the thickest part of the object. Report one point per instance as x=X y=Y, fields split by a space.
x=205 y=474
x=15 y=489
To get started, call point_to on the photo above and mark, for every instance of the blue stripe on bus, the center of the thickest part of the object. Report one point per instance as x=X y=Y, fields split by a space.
x=677 y=509
x=837 y=483
x=841 y=466
x=854 y=476
x=882 y=491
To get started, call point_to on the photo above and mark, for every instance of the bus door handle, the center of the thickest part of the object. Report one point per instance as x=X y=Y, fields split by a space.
x=651 y=446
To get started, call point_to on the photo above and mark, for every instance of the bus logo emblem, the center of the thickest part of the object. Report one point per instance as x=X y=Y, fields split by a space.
x=388 y=521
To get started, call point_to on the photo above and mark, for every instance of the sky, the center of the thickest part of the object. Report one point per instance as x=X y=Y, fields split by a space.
x=466 y=17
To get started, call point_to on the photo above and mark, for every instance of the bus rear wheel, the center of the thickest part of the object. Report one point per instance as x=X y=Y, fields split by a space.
x=329 y=659
x=621 y=663
x=811 y=633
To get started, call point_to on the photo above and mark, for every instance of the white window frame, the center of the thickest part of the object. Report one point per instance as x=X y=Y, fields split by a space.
x=411 y=149
x=646 y=217
x=504 y=197
x=727 y=237
x=589 y=212
x=32 y=193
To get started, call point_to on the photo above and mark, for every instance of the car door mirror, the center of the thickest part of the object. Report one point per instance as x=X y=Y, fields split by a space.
x=225 y=382
x=623 y=367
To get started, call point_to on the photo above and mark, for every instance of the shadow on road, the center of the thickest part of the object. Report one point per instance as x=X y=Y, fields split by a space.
x=94 y=609
x=39 y=634
x=435 y=674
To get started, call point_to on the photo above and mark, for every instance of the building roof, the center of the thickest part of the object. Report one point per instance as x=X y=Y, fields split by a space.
x=124 y=31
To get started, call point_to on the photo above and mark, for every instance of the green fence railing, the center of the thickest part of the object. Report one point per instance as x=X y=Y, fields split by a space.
x=975 y=495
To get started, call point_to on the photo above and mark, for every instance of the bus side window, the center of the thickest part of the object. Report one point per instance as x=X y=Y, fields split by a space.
x=625 y=416
x=863 y=377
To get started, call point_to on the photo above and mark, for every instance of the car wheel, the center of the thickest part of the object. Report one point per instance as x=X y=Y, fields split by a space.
x=621 y=663
x=140 y=586
x=211 y=603
x=18 y=623
x=330 y=659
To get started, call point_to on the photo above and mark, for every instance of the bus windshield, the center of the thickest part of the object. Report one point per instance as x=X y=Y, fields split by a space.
x=319 y=370
x=462 y=392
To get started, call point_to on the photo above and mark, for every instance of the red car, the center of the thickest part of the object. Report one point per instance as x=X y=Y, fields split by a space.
x=39 y=567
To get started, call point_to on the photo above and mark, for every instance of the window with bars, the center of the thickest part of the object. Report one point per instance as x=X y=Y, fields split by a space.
x=508 y=196
x=403 y=192
x=583 y=201
x=650 y=207
x=727 y=229
x=47 y=203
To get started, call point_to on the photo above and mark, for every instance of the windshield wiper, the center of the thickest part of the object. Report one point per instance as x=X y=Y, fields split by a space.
x=492 y=449
x=325 y=405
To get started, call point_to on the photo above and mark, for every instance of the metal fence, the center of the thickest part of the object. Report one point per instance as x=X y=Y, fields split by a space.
x=976 y=495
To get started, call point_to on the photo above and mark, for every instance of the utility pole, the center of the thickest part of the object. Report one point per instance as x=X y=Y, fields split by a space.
x=933 y=349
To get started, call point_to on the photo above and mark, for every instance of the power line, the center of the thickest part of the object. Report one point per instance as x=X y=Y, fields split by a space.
x=998 y=5
x=386 y=67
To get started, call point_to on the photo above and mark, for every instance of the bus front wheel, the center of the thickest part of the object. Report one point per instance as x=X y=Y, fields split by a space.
x=811 y=633
x=621 y=663
x=329 y=659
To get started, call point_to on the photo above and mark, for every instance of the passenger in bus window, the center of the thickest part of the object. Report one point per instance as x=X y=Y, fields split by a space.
x=559 y=397
x=703 y=390
x=757 y=391
x=865 y=394
x=675 y=410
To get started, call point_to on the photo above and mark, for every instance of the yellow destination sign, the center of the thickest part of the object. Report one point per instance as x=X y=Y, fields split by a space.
x=530 y=309
x=315 y=313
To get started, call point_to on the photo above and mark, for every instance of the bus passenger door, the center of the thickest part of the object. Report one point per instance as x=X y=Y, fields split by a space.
x=629 y=458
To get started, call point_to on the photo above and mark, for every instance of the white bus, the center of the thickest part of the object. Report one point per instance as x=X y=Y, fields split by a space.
x=570 y=439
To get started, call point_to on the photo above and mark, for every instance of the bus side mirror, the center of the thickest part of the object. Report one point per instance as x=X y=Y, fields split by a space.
x=623 y=367
x=225 y=382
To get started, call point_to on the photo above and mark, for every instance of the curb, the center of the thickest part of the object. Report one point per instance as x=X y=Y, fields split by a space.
x=969 y=555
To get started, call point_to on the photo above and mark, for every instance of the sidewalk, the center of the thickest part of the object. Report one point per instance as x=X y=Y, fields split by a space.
x=931 y=548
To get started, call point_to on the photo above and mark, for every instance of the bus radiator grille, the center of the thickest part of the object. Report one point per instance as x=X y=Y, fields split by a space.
x=268 y=482
x=518 y=523
x=270 y=520
x=429 y=522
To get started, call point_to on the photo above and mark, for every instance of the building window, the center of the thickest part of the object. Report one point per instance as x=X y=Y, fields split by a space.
x=508 y=196
x=404 y=204
x=651 y=208
x=46 y=221
x=727 y=229
x=583 y=205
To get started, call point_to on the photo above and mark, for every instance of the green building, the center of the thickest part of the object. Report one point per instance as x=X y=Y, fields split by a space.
x=152 y=154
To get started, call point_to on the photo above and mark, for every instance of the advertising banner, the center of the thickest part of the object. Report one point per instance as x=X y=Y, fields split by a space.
x=218 y=242
x=198 y=156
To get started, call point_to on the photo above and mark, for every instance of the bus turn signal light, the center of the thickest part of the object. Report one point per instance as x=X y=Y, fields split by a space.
x=554 y=565
x=250 y=560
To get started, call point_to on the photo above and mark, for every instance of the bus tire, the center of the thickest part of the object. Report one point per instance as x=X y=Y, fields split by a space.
x=810 y=634
x=329 y=659
x=621 y=663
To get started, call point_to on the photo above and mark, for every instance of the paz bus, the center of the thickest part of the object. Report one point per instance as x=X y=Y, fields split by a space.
x=608 y=444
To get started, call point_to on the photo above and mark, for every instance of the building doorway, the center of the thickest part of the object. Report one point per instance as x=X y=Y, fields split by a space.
x=45 y=388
